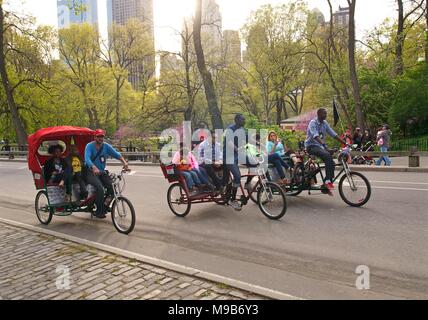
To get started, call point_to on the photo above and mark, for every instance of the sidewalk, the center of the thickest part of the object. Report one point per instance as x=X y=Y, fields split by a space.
x=40 y=267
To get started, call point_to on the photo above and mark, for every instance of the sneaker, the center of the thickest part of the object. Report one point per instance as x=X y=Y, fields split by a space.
x=235 y=205
x=330 y=187
x=193 y=193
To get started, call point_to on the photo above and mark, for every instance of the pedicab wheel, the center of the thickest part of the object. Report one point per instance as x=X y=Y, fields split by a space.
x=178 y=201
x=272 y=201
x=43 y=211
x=123 y=215
x=355 y=191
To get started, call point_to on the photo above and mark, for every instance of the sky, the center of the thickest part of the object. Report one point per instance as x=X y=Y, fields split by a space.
x=169 y=14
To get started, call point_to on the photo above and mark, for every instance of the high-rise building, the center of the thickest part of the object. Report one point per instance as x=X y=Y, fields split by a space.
x=211 y=29
x=77 y=11
x=119 y=12
x=341 y=17
x=319 y=17
x=232 y=46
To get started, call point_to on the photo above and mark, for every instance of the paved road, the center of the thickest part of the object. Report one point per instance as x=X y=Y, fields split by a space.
x=312 y=253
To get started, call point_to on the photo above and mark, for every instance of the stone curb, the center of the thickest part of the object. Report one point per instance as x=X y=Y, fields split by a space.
x=161 y=263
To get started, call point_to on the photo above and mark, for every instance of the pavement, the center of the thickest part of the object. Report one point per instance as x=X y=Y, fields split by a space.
x=41 y=267
x=314 y=252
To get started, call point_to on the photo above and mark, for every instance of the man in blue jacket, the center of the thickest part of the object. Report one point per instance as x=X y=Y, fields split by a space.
x=96 y=154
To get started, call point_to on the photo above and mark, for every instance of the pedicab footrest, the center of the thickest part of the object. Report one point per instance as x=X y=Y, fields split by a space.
x=56 y=195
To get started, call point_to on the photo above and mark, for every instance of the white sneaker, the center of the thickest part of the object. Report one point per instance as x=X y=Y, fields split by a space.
x=235 y=205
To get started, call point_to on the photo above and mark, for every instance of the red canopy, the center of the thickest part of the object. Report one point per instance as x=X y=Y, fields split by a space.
x=80 y=136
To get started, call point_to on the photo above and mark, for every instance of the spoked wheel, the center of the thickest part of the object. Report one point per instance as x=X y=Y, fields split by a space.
x=271 y=200
x=123 y=215
x=355 y=189
x=297 y=180
x=252 y=183
x=43 y=211
x=178 y=200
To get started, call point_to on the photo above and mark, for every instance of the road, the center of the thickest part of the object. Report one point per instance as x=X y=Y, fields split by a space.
x=312 y=253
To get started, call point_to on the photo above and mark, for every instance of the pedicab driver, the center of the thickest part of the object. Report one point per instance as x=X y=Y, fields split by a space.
x=96 y=154
x=315 y=145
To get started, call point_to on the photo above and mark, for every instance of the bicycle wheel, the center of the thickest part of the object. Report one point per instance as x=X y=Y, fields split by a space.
x=178 y=200
x=297 y=180
x=272 y=201
x=356 y=190
x=123 y=215
x=43 y=211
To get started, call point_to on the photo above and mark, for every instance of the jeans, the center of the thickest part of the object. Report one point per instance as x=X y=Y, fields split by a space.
x=325 y=156
x=279 y=163
x=202 y=175
x=384 y=158
x=234 y=168
x=209 y=169
x=100 y=182
x=191 y=178
x=77 y=177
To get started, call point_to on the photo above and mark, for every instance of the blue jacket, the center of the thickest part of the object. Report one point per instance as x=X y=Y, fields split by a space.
x=100 y=161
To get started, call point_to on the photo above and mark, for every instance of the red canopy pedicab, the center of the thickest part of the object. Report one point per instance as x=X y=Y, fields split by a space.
x=50 y=198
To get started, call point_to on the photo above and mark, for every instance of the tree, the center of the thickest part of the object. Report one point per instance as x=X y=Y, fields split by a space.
x=79 y=48
x=402 y=26
x=210 y=93
x=21 y=134
x=353 y=68
x=275 y=42
x=128 y=45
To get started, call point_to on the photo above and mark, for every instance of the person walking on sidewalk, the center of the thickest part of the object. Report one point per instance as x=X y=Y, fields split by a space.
x=384 y=142
x=96 y=154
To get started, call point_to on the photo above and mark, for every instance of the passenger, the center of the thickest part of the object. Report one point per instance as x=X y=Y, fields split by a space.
x=76 y=164
x=56 y=169
x=182 y=159
x=211 y=158
x=276 y=151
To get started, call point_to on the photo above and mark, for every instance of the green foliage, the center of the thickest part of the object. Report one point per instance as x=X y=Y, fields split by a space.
x=409 y=109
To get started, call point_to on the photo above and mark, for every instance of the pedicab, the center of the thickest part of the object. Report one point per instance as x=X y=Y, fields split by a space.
x=269 y=196
x=51 y=199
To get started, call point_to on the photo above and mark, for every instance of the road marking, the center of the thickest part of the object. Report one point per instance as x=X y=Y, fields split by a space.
x=400 y=182
x=392 y=188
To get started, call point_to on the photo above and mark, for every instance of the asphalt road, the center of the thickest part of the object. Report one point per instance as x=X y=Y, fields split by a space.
x=312 y=253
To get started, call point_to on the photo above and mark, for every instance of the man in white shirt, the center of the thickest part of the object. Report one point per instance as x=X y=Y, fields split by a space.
x=211 y=157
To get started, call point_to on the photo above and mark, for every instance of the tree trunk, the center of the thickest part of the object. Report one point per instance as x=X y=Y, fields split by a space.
x=279 y=108
x=210 y=94
x=353 y=67
x=21 y=134
x=399 y=64
x=426 y=32
x=118 y=86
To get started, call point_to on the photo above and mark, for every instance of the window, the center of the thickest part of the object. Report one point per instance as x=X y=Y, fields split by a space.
x=43 y=149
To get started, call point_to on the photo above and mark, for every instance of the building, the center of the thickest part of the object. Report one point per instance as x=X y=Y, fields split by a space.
x=77 y=11
x=119 y=12
x=319 y=17
x=341 y=17
x=232 y=46
x=211 y=30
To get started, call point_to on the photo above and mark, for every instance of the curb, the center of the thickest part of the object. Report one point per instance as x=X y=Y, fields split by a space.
x=276 y=295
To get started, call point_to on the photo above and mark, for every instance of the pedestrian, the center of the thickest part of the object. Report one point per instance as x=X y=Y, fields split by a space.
x=384 y=142
x=357 y=138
